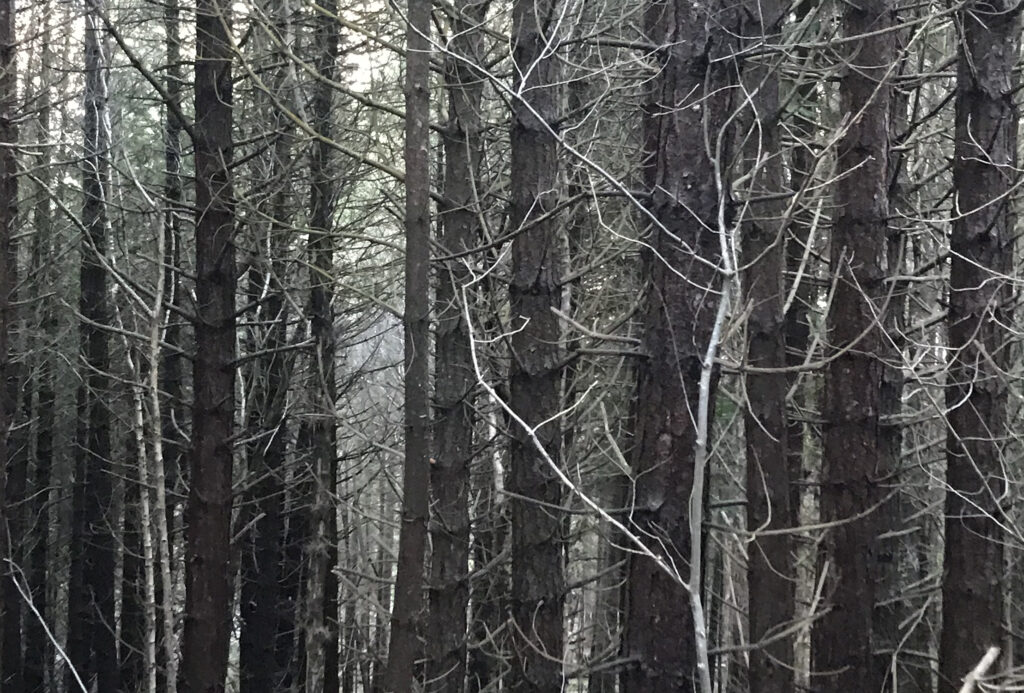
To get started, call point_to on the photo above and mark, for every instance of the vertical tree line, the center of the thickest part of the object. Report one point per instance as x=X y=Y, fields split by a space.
x=525 y=345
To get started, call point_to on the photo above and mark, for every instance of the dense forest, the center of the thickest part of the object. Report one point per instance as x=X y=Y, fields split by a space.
x=466 y=346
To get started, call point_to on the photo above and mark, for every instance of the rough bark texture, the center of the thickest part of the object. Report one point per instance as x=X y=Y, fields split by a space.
x=91 y=642
x=8 y=269
x=771 y=575
x=454 y=379
x=982 y=251
x=854 y=469
x=407 y=615
x=322 y=619
x=682 y=296
x=538 y=541
x=208 y=513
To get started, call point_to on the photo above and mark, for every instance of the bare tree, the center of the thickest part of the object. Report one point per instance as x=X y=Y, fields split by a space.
x=853 y=477
x=407 y=616
x=770 y=565
x=9 y=624
x=207 y=634
x=535 y=374
x=981 y=260
x=91 y=642
x=454 y=414
x=684 y=115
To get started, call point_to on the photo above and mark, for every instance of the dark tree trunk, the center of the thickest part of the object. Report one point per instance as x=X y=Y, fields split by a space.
x=38 y=657
x=686 y=100
x=322 y=627
x=259 y=668
x=90 y=634
x=854 y=469
x=771 y=568
x=454 y=379
x=10 y=647
x=407 y=616
x=982 y=252
x=132 y=643
x=535 y=378
x=208 y=515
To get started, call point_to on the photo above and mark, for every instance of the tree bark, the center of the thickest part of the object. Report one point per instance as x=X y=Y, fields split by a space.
x=407 y=616
x=454 y=416
x=684 y=289
x=8 y=272
x=92 y=645
x=854 y=471
x=208 y=587
x=322 y=600
x=982 y=252
x=538 y=526
x=771 y=578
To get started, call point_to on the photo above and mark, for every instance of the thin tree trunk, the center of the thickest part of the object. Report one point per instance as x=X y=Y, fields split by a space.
x=454 y=379
x=167 y=466
x=90 y=629
x=8 y=270
x=854 y=473
x=535 y=378
x=38 y=657
x=407 y=616
x=982 y=252
x=261 y=603
x=770 y=566
x=322 y=599
x=686 y=100
x=259 y=669
x=208 y=588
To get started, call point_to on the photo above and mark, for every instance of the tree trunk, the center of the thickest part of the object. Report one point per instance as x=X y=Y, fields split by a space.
x=535 y=378
x=407 y=615
x=686 y=100
x=454 y=379
x=259 y=668
x=770 y=565
x=854 y=469
x=208 y=587
x=322 y=599
x=39 y=656
x=168 y=468
x=982 y=252
x=90 y=632
x=9 y=648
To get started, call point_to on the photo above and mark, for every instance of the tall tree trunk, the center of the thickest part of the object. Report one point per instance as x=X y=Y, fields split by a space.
x=167 y=467
x=407 y=615
x=770 y=568
x=38 y=657
x=208 y=587
x=9 y=647
x=259 y=668
x=686 y=100
x=90 y=629
x=322 y=599
x=982 y=252
x=854 y=474
x=454 y=379
x=535 y=378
